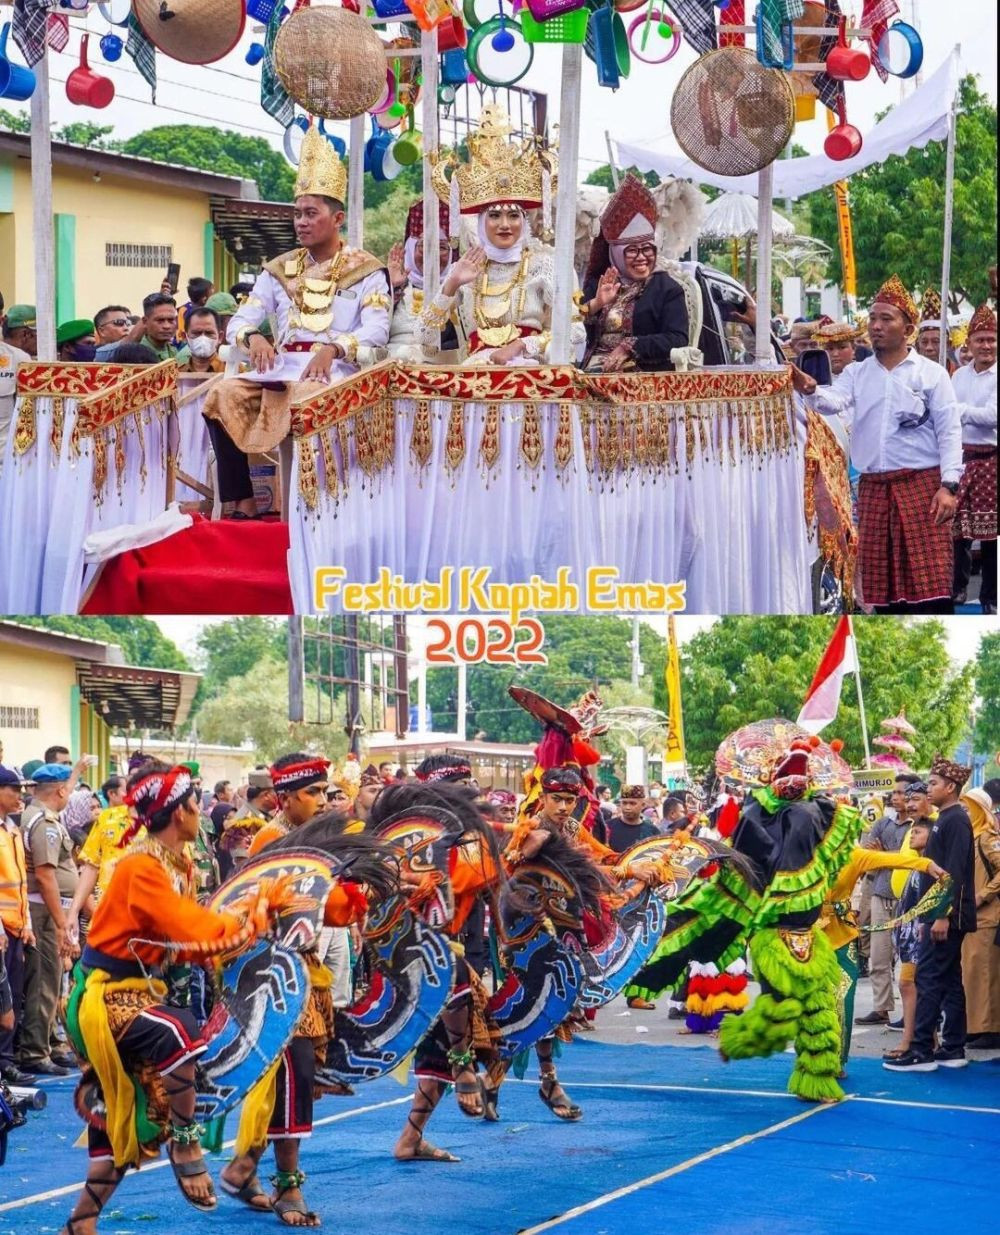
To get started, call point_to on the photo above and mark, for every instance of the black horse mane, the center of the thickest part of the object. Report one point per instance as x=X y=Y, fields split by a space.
x=365 y=858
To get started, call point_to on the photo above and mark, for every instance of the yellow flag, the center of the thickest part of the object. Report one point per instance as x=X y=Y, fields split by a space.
x=674 y=752
x=844 y=231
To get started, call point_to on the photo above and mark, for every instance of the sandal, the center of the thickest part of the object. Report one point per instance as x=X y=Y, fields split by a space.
x=562 y=1107
x=491 y=1102
x=463 y=1061
x=191 y=1170
x=288 y=1181
x=247 y=1192
x=426 y=1152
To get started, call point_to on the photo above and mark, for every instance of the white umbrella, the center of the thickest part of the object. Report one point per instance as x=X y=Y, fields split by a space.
x=733 y=216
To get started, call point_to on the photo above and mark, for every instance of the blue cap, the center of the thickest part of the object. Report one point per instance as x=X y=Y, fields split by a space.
x=52 y=773
x=11 y=777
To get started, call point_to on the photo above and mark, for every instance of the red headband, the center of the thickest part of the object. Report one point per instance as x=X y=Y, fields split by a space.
x=299 y=775
x=454 y=769
x=160 y=791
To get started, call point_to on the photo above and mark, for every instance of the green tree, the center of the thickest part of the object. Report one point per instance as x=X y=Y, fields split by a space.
x=385 y=212
x=897 y=209
x=141 y=640
x=602 y=176
x=15 y=122
x=230 y=649
x=253 y=707
x=987 y=732
x=218 y=150
x=744 y=669
x=86 y=133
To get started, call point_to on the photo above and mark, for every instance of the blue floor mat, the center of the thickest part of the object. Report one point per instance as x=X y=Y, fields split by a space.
x=647 y=1110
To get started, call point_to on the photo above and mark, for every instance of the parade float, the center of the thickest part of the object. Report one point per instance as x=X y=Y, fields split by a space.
x=713 y=476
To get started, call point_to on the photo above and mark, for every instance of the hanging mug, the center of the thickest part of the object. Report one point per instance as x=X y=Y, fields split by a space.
x=255 y=54
x=451 y=35
x=16 y=82
x=847 y=63
x=111 y=47
x=843 y=141
x=409 y=147
x=336 y=142
x=85 y=87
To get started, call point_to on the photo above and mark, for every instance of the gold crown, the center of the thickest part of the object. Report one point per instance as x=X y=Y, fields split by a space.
x=321 y=173
x=498 y=170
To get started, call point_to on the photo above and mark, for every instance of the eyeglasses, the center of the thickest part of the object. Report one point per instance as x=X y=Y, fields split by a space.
x=115 y=321
x=633 y=251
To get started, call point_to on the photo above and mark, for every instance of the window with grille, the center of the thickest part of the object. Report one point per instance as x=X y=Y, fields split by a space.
x=18 y=718
x=139 y=256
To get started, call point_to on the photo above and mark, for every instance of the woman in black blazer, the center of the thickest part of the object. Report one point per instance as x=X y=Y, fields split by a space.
x=635 y=314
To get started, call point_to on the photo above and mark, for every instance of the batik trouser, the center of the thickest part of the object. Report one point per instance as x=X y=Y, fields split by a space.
x=847 y=959
x=799 y=977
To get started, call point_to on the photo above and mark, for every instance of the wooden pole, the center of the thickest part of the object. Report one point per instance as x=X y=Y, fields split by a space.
x=615 y=178
x=949 y=213
x=429 y=120
x=765 y=207
x=356 y=184
x=43 y=228
x=565 y=241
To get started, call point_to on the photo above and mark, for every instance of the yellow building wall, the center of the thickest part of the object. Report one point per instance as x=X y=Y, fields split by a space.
x=117 y=210
x=40 y=680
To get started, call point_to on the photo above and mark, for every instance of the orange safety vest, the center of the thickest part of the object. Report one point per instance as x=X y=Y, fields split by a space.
x=13 y=880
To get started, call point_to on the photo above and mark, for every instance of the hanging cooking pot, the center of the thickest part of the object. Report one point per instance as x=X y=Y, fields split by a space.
x=85 y=87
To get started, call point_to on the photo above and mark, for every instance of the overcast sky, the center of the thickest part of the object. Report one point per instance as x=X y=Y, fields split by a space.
x=226 y=94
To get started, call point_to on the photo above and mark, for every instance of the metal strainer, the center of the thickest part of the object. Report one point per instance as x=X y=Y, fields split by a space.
x=730 y=115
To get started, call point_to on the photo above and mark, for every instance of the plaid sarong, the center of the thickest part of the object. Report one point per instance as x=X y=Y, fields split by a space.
x=876 y=16
x=774 y=15
x=734 y=15
x=697 y=19
x=274 y=98
x=905 y=558
x=142 y=52
x=57 y=31
x=28 y=28
x=977 y=494
x=830 y=91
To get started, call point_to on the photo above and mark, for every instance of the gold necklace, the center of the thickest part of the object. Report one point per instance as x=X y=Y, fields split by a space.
x=496 y=330
x=314 y=296
x=179 y=868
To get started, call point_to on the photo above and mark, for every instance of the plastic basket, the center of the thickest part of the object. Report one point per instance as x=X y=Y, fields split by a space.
x=545 y=10
x=391 y=8
x=568 y=28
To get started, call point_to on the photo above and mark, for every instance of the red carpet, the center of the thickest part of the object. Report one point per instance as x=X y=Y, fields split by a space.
x=225 y=567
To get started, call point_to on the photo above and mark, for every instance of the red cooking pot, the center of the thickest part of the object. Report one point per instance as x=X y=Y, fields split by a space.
x=85 y=87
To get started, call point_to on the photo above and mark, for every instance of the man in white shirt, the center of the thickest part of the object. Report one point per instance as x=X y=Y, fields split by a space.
x=976 y=391
x=329 y=308
x=906 y=441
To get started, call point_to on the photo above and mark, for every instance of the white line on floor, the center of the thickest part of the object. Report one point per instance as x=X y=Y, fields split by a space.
x=760 y=1093
x=618 y=1193
x=23 y=1201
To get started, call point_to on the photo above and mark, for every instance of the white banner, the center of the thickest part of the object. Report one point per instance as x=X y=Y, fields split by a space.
x=920 y=118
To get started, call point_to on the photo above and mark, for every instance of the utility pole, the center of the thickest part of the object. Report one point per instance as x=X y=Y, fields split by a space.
x=42 y=222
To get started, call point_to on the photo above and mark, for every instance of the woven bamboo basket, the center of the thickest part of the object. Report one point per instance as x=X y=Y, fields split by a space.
x=331 y=62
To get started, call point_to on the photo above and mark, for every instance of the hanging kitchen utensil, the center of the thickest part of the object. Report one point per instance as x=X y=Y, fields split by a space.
x=476 y=12
x=16 y=81
x=451 y=35
x=731 y=115
x=901 y=50
x=389 y=9
x=846 y=63
x=454 y=68
x=498 y=53
x=566 y=27
x=607 y=45
x=85 y=87
x=115 y=11
x=653 y=36
x=844 y=140
x=292 y=141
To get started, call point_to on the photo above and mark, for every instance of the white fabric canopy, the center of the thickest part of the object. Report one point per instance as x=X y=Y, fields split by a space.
x=920 y=118
x=733 y=216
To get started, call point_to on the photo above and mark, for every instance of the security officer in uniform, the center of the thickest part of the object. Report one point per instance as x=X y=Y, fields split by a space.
x=19 y=323
x=52 y=879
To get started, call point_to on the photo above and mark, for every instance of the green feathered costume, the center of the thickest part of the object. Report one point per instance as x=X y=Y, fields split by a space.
x=796 y=841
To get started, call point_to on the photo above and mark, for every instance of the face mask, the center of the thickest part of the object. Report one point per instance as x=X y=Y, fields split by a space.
x=84 y=352
x=203 y=346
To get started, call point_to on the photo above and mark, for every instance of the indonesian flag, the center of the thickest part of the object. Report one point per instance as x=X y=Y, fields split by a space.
x=823 y=697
